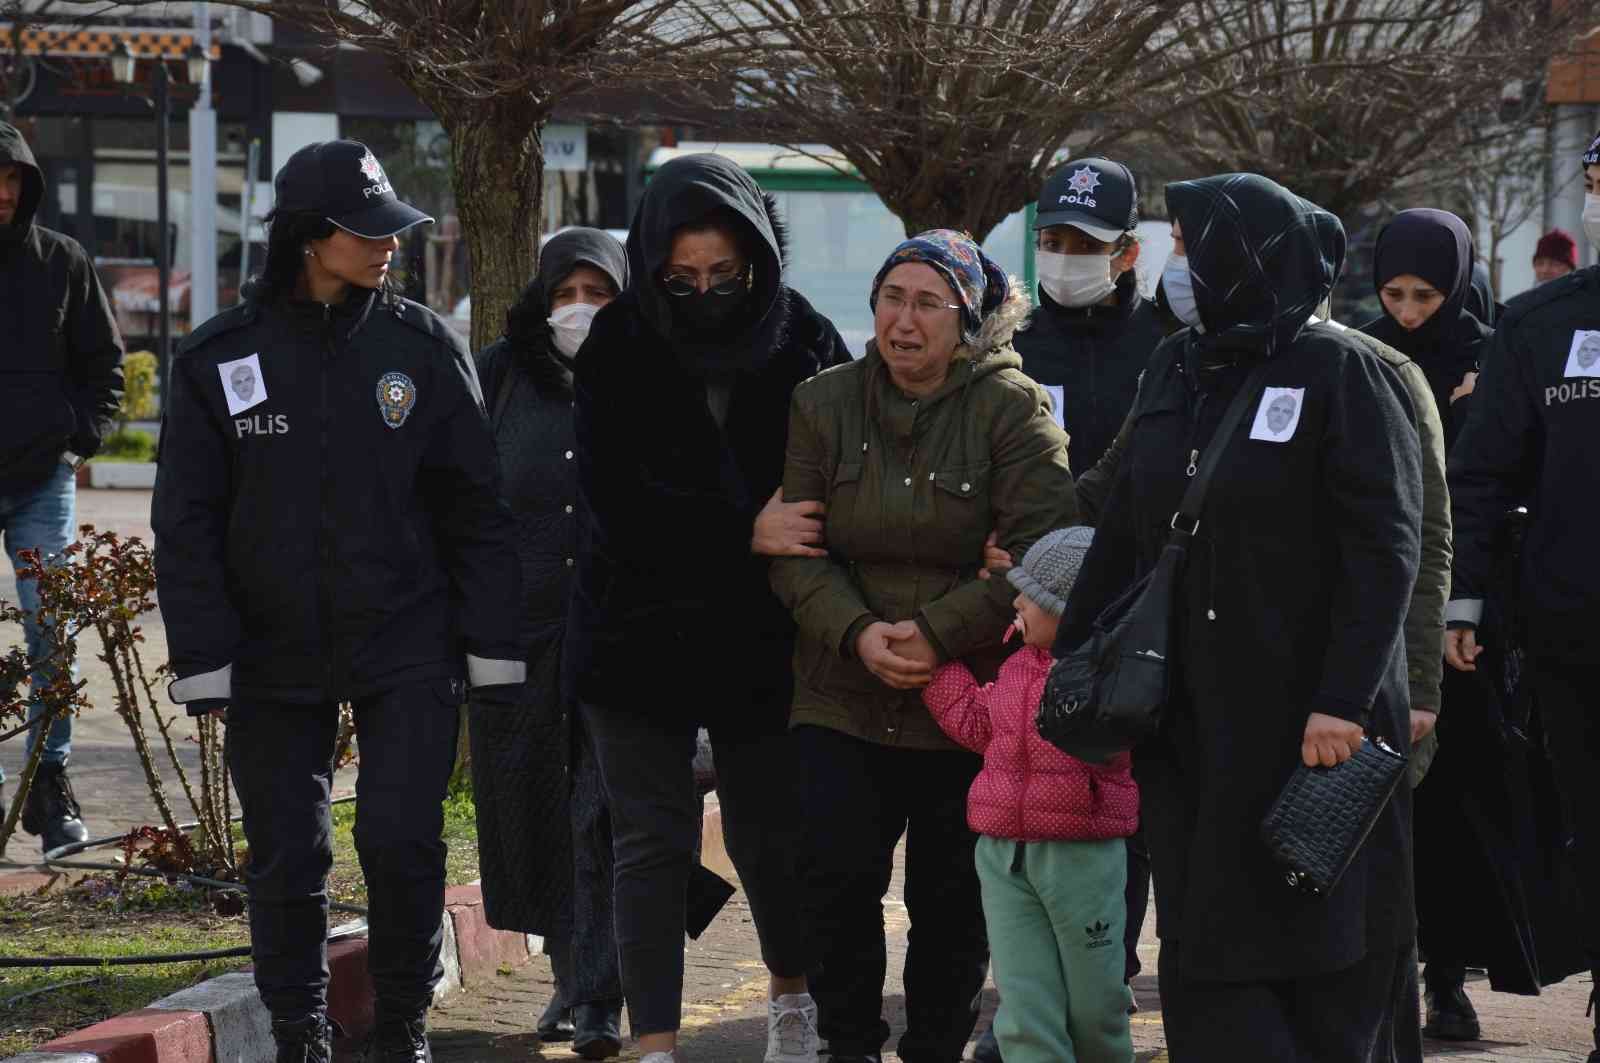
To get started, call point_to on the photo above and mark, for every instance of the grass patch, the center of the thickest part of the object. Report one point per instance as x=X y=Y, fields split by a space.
x=99 y=917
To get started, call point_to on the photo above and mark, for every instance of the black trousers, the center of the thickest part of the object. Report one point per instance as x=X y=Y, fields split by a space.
x=1137 y=895
x=281 y=759
x=1568 y=694
x=1343 y=1017
x=647 y=764
x=859 y=799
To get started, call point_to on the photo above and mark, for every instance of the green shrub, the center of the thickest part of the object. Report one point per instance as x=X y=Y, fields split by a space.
x=138 y=388
x=128 y=444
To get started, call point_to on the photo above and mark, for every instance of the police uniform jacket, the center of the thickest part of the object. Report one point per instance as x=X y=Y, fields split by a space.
x=1530 y=440
x=327 y=511
x=1089 y=359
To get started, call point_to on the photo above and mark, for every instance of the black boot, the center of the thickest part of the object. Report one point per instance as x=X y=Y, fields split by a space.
x=598 y=1030
x=308 y=1040
x=400 y=1041
x=987 y=1050
x=556 y=1022
x=1451 y=1016
x=51 y=811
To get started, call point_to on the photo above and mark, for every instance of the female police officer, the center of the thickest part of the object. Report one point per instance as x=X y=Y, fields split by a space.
x=328 y=529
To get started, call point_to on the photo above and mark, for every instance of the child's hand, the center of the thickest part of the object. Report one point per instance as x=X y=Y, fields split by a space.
x=994 y=559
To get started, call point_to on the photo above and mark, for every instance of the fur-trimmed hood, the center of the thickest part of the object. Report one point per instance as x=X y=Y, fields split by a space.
x=1001 y=325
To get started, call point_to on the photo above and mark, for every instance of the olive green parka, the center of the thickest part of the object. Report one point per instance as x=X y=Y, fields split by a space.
x=912 y=488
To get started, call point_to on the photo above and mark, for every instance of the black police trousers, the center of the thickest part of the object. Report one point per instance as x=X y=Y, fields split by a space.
x=1561 y=669
x=281 y=758
x=860 y=798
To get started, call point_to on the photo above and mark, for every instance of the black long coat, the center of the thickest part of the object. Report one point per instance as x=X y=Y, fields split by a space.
x=1293 y=598
x=520 y=759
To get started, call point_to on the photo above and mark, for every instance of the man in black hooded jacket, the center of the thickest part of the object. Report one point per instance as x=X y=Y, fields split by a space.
x=1530 y=440
x=60 y=386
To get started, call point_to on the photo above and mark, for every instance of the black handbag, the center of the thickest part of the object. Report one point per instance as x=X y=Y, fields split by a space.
x=1319 y=821
x=1110 y=693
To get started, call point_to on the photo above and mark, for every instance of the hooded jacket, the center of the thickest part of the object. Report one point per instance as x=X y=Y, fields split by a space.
x=1294 y=594
x=521 y=761
x=61 y=373
x=672 y=613
x=1089 y=359
x=327 y=510
x=912 y=489
x=1530 y=440
x=1433 y=245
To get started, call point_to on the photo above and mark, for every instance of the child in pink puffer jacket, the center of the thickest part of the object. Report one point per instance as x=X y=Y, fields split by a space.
x=1051 y=859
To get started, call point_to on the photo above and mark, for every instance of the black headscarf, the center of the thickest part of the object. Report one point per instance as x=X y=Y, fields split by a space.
x=1436 y=246
x=691 y=189
x=528 y=321
x=1480 y=298
x=1433 y=245
x=1262 y=259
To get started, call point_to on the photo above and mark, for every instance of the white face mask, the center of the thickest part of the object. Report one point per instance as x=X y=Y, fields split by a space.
x=570 y=325
x=1179 y=286
x=1591 y=218
x=1074 y=280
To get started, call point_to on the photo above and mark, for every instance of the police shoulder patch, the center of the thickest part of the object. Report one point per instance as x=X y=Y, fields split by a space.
x=397 y=395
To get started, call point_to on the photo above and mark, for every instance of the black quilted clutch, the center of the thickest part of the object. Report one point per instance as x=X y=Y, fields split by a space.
x=1317 y=825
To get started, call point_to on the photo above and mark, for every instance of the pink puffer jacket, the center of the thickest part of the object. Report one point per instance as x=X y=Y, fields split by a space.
x=1028 y=790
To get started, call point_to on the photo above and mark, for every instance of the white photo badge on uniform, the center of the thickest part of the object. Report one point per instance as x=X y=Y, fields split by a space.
x=1278 y=415
x=242 y=384
x=1583 y=359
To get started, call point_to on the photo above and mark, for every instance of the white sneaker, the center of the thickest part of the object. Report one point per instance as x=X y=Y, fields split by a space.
x=659 y=1057
x=792 y=1029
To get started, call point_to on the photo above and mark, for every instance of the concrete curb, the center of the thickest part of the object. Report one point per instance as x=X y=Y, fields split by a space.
x=222 y=1020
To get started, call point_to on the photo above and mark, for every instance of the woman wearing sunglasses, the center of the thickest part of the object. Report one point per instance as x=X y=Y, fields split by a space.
x=683 y=391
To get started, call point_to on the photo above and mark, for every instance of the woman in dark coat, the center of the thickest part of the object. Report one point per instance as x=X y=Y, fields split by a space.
x=544 y=836
x=683 y=393
x=1478 y=858
x=1288 y=636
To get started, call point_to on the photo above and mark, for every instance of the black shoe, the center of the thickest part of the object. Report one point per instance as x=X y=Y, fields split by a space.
x=400 y=1041
x=307 y=1040
x=51 y=812
x=556 y=1022
x=987 y=1050
x=597 y=1031
x=1451 y=1016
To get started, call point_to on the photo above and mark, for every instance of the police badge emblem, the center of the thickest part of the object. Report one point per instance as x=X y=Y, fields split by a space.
x=396 y=396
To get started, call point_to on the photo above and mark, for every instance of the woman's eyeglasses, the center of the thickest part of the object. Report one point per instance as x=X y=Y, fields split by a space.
x=892 y=301
x=685 y=284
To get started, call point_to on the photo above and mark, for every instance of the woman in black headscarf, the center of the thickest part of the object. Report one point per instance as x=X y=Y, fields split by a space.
x=683 y=393
x=1422 y=269
x=1478 y=862
x=1288 y=632
x=544 y=836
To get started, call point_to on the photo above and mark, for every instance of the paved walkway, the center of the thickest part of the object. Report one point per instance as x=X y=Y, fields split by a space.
x=724 y=996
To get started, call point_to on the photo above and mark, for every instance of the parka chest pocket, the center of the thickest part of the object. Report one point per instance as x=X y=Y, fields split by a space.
x=961 y=499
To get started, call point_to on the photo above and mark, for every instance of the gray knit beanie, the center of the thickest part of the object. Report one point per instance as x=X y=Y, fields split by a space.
x=1050 y=567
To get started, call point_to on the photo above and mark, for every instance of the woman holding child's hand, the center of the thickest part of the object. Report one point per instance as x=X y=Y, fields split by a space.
x=918 y=451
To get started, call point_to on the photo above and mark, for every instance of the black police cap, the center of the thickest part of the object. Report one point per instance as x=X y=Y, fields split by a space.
x=343 y=181
x=1096 y=195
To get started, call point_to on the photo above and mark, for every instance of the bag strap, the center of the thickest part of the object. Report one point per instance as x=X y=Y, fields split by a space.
x=1189 y=510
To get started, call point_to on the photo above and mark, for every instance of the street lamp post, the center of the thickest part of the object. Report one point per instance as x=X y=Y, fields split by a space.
x=124 y=68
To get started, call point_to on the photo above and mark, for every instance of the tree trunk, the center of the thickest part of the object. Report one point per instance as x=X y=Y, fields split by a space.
x=497 y=166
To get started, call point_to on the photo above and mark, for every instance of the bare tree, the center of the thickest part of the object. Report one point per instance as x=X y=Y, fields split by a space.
x=953 y=111
x=1500 y=184
x=1345 y=101
x=492 y=71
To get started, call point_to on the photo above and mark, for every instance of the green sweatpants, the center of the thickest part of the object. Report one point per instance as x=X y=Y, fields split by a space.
x=1055 y=931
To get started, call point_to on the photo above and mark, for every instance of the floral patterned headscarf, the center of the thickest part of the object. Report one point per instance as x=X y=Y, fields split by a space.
x=978 y=282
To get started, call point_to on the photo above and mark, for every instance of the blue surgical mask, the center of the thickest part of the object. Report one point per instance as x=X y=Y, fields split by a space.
x=1179 y=286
